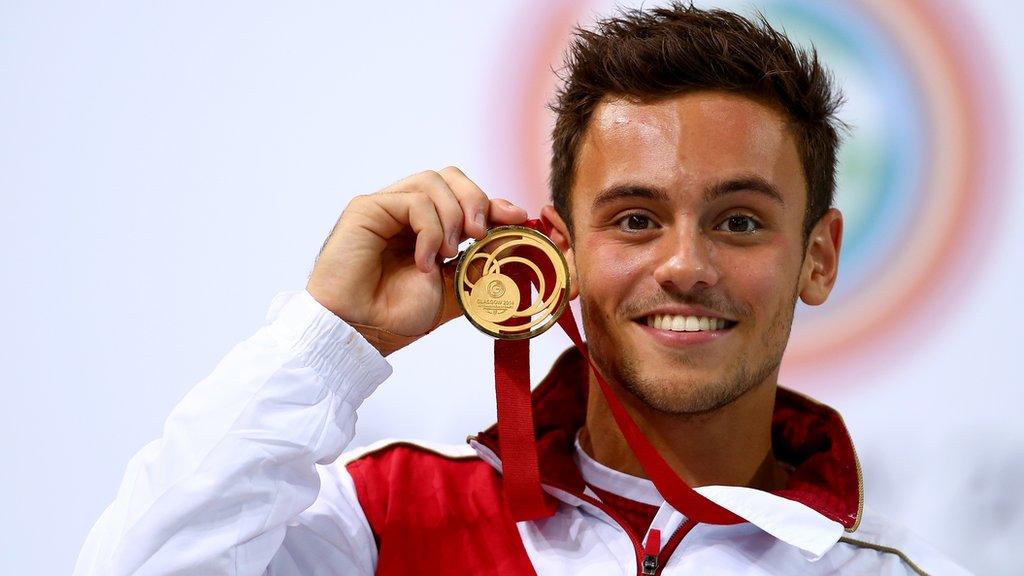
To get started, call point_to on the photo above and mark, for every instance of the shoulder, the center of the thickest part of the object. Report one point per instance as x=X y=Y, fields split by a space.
x=400 y=448
x=392 y=477
x=885 y=541
x=399 y=461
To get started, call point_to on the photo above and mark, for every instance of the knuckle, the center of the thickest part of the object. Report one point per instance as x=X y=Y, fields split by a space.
x=451 y=211
x=454 y=170
x=429 y=177
x=419 y=199
x=452 y=221
x=432 y=184
x=358 y=200
x=361 y=204
x=432 y=236
x=480 y=200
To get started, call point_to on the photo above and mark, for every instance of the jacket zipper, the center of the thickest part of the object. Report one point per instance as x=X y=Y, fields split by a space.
x=650 y=558
x=637 y=545
x=651 y=549
x=663 y=554
x=642 y=557
x=654 y=555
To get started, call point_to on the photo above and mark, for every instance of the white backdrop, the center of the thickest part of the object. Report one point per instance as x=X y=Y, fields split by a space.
x=166 y=168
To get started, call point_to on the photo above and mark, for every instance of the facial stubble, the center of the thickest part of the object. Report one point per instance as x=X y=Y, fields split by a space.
x=686 y=396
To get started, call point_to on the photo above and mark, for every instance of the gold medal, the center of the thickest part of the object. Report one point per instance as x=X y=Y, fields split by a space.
x=489 y=296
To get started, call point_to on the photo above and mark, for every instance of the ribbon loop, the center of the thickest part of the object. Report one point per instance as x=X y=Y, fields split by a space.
x=518 y=443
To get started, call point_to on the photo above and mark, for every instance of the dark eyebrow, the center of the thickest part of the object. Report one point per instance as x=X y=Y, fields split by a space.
x=744 y=184
x=620 y=191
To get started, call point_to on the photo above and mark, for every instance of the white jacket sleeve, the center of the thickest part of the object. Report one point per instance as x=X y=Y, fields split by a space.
x=241 y=481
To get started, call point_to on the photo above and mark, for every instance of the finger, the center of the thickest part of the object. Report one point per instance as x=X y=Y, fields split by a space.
x=447 y=206
x=474 y=202
x=418 y=212
x=449 y=305
x=504 y=212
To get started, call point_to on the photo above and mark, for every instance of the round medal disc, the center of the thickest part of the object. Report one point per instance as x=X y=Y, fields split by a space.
x=488 y=294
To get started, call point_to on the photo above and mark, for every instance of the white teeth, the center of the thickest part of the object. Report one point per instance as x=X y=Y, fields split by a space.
x=685 y=323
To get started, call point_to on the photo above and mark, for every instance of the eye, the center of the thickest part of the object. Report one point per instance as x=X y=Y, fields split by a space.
x=635 y=223
x=739 y=224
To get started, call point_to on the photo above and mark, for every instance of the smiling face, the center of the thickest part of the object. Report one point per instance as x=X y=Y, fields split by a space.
x=688 y=246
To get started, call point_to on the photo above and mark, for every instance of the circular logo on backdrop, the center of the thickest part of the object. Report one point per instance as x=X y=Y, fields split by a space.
x=917 y=181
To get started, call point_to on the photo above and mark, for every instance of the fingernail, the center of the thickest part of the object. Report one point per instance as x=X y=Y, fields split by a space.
x=513 y=206
x=453 y=239
x=480 y=219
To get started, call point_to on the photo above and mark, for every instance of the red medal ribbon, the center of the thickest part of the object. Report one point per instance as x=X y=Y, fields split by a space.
x=516 y=436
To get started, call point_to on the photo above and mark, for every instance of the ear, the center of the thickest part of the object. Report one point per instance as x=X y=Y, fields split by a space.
x=821 y=260
x=560 y=236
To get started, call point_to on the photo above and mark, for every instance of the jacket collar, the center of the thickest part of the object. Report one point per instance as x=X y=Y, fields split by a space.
x=808 y=436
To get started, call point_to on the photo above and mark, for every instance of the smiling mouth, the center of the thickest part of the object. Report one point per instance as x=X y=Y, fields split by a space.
x=676 y=323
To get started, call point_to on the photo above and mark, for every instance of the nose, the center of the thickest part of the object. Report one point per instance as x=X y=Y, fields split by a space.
x=685 y=262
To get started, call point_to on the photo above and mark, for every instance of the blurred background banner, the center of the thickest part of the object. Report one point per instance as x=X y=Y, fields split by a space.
x=166 y=168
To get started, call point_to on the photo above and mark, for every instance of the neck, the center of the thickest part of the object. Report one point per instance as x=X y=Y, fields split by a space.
x=728 y=446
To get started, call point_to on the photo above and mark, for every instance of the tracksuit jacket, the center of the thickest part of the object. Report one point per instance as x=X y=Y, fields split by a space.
x=249 y=478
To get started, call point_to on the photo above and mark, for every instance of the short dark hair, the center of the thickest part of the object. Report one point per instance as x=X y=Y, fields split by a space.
x=662 y=52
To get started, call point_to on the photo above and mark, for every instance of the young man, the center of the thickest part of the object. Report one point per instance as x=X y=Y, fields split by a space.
x=692 y=183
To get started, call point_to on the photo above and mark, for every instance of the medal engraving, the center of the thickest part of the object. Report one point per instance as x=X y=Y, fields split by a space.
x=496 y=295
x=486 y=288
